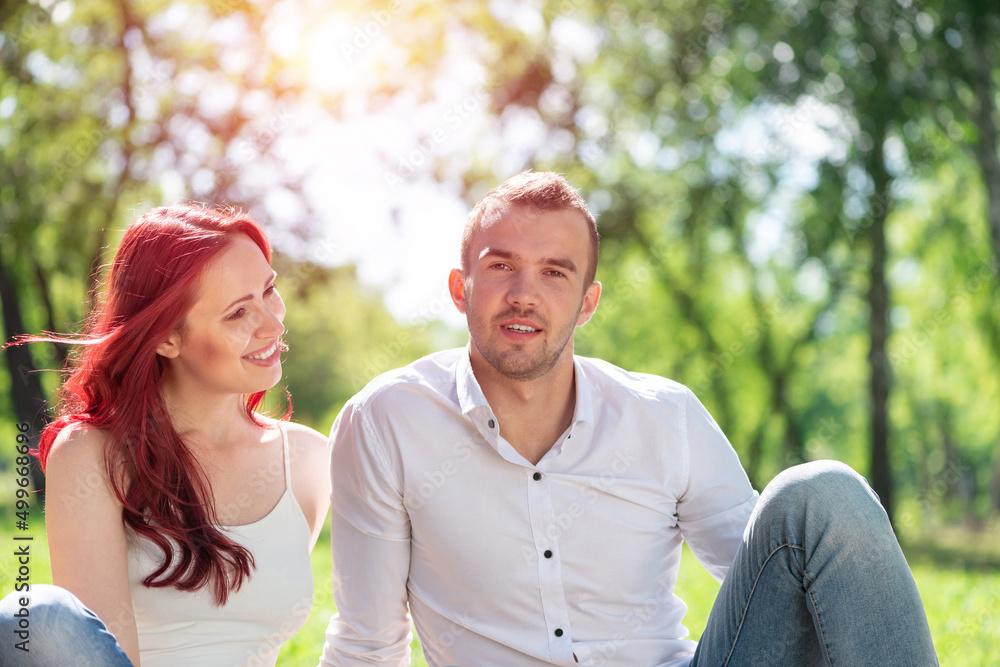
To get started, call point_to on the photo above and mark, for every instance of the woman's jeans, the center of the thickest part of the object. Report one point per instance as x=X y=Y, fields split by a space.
x=59 y=631
x=818 y=580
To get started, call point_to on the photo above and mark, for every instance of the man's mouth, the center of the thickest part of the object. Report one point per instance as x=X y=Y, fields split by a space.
x=520 y=328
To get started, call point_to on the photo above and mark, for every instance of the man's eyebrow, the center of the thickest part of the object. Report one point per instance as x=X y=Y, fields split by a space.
x=561 y=262
x=267 y=283
x=497 y=252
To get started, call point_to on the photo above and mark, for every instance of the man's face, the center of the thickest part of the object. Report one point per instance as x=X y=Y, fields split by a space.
x=523 y=291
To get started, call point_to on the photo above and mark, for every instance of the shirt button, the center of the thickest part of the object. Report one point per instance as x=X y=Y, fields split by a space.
x=537 y=476
x=548 y=554
x=491 y=423
x=558 y=632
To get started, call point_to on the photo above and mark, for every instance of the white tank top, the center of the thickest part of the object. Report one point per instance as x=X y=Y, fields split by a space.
x=188 y=628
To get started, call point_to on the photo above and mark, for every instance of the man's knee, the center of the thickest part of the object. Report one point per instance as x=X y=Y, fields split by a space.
x=821 y=486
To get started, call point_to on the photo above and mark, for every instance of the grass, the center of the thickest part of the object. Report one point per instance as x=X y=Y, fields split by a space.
x=957 y=573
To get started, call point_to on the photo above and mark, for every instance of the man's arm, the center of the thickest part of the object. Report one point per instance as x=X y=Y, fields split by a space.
x=370 y=536
x=716 y=505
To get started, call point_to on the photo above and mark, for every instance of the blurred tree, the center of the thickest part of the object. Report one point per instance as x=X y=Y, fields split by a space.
x=662 y=117
x=850 y=56
x=957 y=44
x=106 y=104
x=959 y=41
x=693 y=130
x=340 y=336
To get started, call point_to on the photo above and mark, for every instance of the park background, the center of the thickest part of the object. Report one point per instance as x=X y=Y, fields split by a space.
x=799 y=202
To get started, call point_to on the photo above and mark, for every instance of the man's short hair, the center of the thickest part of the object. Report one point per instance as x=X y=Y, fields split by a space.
x=542 y=191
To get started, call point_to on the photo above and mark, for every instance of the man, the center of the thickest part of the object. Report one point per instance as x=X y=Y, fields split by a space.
x=528 y=506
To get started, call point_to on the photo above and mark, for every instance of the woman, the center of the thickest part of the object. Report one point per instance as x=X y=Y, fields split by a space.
x=175 y=512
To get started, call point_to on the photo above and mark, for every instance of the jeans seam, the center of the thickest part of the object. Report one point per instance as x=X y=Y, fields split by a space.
x=819 y=624
x=746 y=605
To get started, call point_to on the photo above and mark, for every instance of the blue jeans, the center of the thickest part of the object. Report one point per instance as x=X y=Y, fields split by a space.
x=818 y=580
x=57 y=630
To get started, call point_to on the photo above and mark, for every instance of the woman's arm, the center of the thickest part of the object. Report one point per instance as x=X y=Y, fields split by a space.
x=310 y=475
x=83 y=519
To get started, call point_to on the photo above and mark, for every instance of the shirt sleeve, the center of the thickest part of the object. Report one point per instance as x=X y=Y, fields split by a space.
x=370 y=538
x=714 y=509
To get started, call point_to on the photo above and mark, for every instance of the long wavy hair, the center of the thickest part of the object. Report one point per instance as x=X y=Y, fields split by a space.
x=114 y=384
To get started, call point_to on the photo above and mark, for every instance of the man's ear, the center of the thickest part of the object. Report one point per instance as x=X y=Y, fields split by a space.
x=590 y=299
x=171 y=347
x=456 y=287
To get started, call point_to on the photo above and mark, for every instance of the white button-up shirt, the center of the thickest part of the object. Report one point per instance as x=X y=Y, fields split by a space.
x=570 y=562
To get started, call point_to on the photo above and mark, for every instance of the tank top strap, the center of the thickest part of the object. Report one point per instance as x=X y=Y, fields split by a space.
x=288 y=461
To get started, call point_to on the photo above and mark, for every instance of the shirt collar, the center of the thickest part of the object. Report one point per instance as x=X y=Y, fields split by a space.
x=471 y=396
x=584 y=411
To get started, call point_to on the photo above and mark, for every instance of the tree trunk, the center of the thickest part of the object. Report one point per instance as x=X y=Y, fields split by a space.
x=878 y=360
x=878 y=303
x=981 y=82
x=952 y=467
x=42 y=282
x=995 y=486
x=26 y=388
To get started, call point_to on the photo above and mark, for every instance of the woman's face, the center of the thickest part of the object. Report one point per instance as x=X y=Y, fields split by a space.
x=229 y=341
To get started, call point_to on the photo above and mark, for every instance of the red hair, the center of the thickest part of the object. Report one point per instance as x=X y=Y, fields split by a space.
x=114 y=385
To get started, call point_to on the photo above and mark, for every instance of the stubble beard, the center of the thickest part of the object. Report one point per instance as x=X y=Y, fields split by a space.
x=516 y=364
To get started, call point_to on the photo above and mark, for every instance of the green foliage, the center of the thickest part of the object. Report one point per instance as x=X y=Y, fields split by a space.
x=340 y=336
x=770 y=274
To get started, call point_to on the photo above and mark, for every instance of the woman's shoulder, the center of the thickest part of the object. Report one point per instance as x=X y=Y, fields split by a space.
x=304 y=441
x=310 y=461
x=76 y=469
x=78 y=444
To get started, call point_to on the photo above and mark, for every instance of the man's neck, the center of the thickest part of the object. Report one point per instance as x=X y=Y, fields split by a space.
x=532 y=413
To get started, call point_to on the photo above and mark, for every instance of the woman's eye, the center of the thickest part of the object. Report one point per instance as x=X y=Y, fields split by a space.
x=238 y=314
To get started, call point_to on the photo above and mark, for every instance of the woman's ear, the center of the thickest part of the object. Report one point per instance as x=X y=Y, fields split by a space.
x=169 y=348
